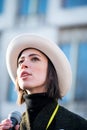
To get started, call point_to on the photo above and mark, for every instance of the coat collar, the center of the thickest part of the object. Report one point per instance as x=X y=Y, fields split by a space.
x=42 y=118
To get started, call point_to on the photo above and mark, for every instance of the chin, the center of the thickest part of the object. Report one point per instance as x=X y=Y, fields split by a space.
x=22 y=86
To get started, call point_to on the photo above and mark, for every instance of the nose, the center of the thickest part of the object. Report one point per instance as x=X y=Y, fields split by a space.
x=26 y=64
x=23 y=66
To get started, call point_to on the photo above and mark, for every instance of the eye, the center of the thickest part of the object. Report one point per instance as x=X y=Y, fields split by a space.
x=34 y=59
x=20 y=62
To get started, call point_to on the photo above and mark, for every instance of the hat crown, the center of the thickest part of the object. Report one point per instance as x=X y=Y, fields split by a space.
x=49 y=48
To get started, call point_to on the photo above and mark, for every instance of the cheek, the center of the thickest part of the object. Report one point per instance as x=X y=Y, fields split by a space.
x=41 y=72
x=17 y=72
x=18 y=75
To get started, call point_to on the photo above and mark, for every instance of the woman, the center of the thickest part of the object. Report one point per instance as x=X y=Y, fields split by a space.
x=42 y=75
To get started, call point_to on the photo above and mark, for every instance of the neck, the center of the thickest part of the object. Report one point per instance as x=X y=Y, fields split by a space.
x=37 y=90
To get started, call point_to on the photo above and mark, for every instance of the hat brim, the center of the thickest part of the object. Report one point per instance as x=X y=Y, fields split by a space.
x=46 y=46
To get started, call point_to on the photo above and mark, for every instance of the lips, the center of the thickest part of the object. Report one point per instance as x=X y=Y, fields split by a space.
x=24 y=74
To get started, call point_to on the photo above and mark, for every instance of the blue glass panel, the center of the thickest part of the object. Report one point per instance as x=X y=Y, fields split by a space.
x=66 y=49
x=1 y=5
x=12 y=94
x=33 y=6
x=81 y=82
x=23 y=7
x=42 y=6
x=73 y=3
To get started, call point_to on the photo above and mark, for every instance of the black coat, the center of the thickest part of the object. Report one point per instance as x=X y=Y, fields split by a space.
x=63 y=120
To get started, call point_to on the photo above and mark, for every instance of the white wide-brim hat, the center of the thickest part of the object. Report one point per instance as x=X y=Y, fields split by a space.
x=46 y=46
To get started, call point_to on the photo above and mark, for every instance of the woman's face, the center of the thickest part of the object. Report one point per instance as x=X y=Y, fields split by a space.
x=32 y=71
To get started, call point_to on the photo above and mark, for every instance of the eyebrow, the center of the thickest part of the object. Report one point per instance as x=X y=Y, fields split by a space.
x=30 y=56
x=34 y=55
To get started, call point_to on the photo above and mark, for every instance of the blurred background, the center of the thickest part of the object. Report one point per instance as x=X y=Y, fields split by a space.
x=63 y=21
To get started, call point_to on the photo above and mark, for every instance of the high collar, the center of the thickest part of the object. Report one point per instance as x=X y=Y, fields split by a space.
x=37 y=101
x=39 y=108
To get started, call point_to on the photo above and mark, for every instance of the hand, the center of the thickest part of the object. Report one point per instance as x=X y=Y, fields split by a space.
x=6 y=124
x=16 y=127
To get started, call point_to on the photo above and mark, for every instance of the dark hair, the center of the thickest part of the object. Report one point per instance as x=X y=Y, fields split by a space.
x=52 y=84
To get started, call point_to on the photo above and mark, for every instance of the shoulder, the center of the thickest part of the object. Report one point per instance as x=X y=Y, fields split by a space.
x=68 y=113
x=70 y=118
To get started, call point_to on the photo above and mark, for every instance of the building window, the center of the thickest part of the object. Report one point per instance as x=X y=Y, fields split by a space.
x=26 y=7
x=1 y=6
x=66 y=48
x=73 y=3
x=12 y=94
x=42 y=6
x=23 y=7
x=81 y=81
